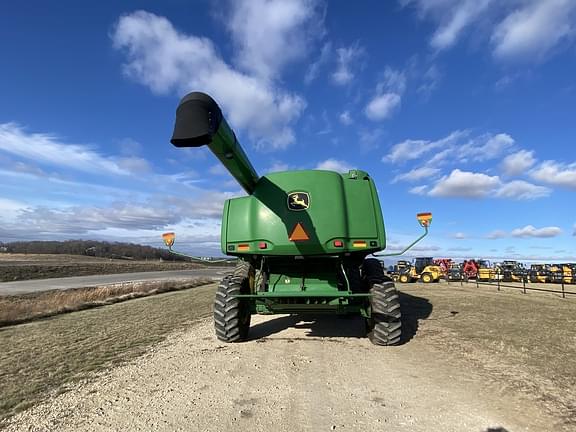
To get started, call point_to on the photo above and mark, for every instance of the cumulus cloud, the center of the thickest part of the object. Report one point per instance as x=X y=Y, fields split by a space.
x=261 y=29
x=464 y=184
x=522 y=190
x=555 y=173
x=388 y=96
x=167 y=61
x=518 y=163
x=334 y=165
x=416 y=174
x=531 y=231
x=459 y=236
x=48 y=149
x=346 y=62
x=526 y=30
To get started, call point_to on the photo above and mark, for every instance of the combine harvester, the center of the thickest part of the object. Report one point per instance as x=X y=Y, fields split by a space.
x=302 y=238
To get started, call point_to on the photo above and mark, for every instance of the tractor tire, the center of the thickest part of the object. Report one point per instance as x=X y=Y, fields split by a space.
x=427 y=278
x=404 y=278
x=231 y=314
x=384 y=327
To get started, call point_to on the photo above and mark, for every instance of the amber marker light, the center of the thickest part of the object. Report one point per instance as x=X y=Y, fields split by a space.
x=425 y=219
x=169 y=238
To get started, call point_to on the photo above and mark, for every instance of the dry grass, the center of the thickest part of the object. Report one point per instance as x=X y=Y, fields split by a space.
x=23 y=308
x=43 y=358
x=520 y=341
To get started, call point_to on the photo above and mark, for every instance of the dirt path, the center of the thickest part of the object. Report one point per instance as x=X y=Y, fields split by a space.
x=293 y=376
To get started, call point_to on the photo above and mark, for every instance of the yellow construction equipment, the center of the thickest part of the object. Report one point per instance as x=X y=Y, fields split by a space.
x=422 y=268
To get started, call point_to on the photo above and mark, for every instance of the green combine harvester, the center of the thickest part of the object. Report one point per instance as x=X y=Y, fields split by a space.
x=302 y=238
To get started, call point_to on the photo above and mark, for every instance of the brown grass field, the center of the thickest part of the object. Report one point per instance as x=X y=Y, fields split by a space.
x=16 y=309
x=14 y=267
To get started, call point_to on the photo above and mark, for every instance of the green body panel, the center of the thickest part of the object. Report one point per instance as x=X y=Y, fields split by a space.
x=341 y=207
x=227 y=149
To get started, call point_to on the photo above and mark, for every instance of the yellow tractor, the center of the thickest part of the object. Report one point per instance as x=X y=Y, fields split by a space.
x=486 y=272
x=423 y=269
x=540 y=273
x=563 y=273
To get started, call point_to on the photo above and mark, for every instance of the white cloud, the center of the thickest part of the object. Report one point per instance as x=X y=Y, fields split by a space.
x=497 y=234
x=314 y=68
x=464 y=184
x=458 y=146
x=518 y=163
x=416 y=174
x=345 y=118
x=478 y=185
x=516 y=29
x=531 y=31
x=388 y=95
x=334 y=165
x=556 y=174
x=419 y=190
x=347 y=60
x=459 y=236
x=382 y=106
x=522 y=190
x=414 y=149
x=167 y=61
x=574 y=232
x=261 y=29
x=530 y=231
x=48 y=149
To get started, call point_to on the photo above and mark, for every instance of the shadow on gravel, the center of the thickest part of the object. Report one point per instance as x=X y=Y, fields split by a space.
x=315 y=325
x=413 y=309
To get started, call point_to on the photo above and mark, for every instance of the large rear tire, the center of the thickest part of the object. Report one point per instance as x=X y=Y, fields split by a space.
x=384 y=326
x=231 y=314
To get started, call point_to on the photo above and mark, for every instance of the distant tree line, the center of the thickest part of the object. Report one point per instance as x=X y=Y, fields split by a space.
x=90 y=248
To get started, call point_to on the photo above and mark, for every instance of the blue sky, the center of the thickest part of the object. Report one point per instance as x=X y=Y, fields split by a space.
x=462 y=108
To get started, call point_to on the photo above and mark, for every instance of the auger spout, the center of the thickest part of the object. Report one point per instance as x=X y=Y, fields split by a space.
x=199 y=121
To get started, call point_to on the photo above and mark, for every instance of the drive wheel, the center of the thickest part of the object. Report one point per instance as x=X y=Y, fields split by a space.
x=404 y=278
x=384 y=325
x=232 y=314
x=427 y=278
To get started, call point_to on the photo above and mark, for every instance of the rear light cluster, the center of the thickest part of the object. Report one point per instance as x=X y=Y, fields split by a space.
x=338 y=243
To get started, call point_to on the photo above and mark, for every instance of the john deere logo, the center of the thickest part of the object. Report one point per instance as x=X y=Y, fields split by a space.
x=298 y=201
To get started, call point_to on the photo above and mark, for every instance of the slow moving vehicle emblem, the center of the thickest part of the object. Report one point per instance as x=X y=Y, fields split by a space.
x=298 y=201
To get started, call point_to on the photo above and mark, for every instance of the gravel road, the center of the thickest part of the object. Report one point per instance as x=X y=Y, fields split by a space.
x=294 y=375
x=38 y=285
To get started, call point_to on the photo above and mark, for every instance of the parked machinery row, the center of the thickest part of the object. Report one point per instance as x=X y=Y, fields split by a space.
x=432 y=270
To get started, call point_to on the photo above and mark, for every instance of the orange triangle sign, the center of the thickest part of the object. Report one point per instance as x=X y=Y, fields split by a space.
x=298 y=233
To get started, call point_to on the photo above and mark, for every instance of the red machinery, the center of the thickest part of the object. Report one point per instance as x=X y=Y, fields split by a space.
x=470 y=269
x=444 y=264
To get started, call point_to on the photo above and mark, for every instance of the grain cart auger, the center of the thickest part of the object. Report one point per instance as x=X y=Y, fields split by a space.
x=301 y=237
